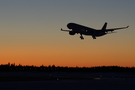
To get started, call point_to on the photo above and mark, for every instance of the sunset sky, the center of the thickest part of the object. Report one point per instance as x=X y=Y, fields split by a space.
x=30 y=32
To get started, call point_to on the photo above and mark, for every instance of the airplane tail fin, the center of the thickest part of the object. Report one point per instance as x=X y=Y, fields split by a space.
x=104 y=27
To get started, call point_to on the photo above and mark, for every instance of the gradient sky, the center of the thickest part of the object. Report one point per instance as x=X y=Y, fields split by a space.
x=30 y=32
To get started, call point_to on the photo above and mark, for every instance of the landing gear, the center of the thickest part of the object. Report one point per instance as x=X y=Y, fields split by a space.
x=93 y=37
x=81 y=37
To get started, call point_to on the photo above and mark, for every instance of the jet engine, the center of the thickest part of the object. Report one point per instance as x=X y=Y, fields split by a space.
x=71 y=33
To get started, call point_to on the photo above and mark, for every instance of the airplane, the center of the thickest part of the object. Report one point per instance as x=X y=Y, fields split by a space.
x=83 y=30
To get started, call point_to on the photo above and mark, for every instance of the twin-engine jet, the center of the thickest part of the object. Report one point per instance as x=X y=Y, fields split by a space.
x=83 y=30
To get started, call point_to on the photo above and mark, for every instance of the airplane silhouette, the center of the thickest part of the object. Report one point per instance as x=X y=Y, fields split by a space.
x=83 y=30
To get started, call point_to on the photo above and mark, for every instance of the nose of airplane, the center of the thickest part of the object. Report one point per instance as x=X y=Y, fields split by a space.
x=69 y=25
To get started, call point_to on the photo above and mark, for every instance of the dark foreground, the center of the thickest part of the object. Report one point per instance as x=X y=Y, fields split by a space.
x=66 y=81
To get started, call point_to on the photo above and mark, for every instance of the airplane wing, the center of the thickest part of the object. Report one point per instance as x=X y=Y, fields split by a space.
x=65 y=30
x=116 y=29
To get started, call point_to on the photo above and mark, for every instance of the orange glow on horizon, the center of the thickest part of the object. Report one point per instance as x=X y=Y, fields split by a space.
x=61 y=55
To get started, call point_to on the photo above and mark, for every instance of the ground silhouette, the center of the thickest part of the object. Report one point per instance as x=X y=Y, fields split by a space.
x=52 y=68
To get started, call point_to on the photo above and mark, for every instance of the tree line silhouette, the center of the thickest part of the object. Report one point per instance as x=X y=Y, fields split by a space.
x=52 y=68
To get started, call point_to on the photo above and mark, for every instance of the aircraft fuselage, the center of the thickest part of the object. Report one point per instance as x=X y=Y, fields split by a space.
x=76 y=28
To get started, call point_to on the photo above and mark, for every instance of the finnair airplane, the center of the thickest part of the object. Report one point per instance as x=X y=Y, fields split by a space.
x=83 y=30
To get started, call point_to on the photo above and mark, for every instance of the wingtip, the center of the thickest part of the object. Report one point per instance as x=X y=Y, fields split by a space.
x=127 y=26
